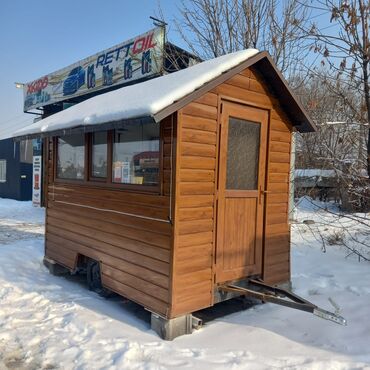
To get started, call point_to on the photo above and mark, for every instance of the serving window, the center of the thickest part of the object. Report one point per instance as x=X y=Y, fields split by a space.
x=128 y=157
x=71 y=157
x=99 y=154
x=136 y=154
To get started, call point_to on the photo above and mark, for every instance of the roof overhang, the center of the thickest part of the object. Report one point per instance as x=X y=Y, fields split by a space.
x=86 y=128
x=262 y=61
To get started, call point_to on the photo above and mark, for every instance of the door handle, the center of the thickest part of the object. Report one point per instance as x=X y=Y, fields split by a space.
x=263 y=192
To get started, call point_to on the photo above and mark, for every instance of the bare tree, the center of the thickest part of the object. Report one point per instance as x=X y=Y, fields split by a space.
x=338 y=144
x=212 y=28
x=345 y=48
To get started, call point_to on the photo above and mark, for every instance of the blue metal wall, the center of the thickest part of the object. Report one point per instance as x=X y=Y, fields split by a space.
x=15 y=186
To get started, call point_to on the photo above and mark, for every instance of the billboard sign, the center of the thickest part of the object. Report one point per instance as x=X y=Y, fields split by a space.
x=131 y=60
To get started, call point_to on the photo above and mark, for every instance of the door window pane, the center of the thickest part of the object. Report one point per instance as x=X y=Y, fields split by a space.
x=71 y=157
x=99 y=152
x=242 y=154
x=136 y=154
x=26 y=151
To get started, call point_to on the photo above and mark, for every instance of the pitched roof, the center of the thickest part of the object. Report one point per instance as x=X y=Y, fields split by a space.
x=157 y=98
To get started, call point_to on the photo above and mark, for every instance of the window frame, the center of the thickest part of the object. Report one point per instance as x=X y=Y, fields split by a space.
x=5 y=166
x=55 y=164
x=91 y=177
x=107 y=182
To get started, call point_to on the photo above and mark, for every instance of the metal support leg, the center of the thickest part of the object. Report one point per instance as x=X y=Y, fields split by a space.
x=169 y=329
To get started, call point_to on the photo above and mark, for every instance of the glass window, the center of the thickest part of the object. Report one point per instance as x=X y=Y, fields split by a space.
x=2 y=170
x=242 y=154
x=99 y=152
x=136 y=154
x=26 y=151
x=71 y=157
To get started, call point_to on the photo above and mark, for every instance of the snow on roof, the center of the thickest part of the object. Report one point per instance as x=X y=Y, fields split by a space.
x=314 y=172
x=139 y=100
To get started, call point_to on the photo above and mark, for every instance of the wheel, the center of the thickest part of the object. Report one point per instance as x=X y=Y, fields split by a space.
x=94 y=279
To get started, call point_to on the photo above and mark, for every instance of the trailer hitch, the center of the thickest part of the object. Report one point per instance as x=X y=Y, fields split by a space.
x=267 y=293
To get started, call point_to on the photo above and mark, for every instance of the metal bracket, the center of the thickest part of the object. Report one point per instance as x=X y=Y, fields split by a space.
x=196 y=322
x=327 y=315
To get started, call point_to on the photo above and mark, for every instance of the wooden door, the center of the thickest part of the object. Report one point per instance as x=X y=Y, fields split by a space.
x=241 y=190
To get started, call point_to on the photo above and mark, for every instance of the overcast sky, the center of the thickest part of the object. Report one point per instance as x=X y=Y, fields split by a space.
x=41 y=36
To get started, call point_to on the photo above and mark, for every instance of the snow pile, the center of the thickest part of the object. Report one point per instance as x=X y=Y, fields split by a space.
x=139 y=100
x=20 y=211
x=314 y=172
x=19 y=220
x=331 y=227
x=49 y=322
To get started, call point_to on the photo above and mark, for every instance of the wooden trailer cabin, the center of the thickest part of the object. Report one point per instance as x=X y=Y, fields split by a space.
x=171 y=188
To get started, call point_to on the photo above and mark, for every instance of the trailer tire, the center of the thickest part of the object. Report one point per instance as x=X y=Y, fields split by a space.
x=94 y=279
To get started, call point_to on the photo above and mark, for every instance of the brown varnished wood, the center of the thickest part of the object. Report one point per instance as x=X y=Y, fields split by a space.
x=200 y=238
x=150 y=242
x=278 y=187
x=240 y=215
x=279 y=136
x=192 y=247
x=280 y=147
x=240 y=80
x=198 y=149
x=198 y=175
x=189 y=201
x=158 y=248
x=112 y=244
x=104 y=252
x=199 y=123
x=278 y=177
x=136 y=282
x=110 y=206
x=186 y=266
x=208 y=99
x=114 y=195
x=198 y=136
x=196 y=188
x=199 y=163
x=203 y=288
x=120 y=228
x=276 y=218
x=114 y=218
x=135 y=295
x=200 y=110
x=197 y=213
x=187 y=227
x=279 y=157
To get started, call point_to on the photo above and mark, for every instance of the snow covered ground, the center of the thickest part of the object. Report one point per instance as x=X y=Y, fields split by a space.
x=49 y=322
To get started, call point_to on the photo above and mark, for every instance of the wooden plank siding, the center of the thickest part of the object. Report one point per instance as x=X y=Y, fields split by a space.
x=168 y=265
x=276 y=267
x=194 y=233
x=98 y=222
x=192 y=285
